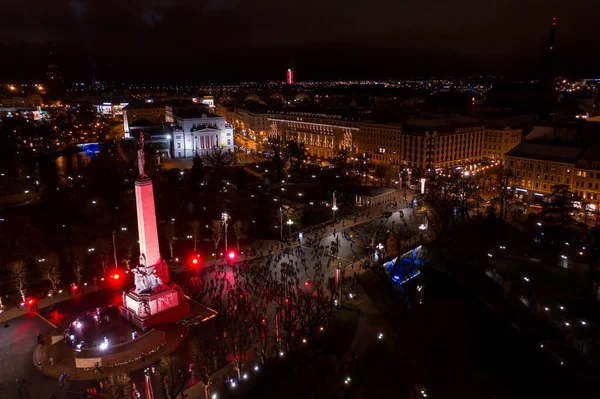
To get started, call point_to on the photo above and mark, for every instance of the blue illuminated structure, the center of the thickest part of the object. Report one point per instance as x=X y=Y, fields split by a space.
x=91 y=148
x=404 y=268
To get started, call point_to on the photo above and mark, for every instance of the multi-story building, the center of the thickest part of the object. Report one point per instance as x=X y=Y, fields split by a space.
x=586 y=178
x=34 y=100
x=382 y=143
x=200 y=132
x=498 y=140
x=251 y=128
x=152 y=112
x=435 y=143
x=537 y=168
x=323 y=135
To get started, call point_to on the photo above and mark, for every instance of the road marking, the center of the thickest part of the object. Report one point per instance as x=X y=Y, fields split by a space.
x=46 y=320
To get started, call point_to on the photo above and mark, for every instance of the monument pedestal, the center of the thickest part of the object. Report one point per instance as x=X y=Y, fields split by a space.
x=146 y=310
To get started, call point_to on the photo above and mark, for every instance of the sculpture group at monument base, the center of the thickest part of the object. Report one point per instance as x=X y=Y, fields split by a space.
x=146 y=310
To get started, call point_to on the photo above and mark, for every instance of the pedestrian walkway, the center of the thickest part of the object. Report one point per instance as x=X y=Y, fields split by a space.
x=11 y=312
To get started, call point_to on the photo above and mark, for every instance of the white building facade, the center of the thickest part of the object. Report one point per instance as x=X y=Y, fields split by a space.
x=200 y=134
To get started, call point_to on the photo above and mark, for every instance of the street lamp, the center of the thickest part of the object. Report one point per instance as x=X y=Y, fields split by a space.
x=281 y=222
x=225 y=220
x=289 y=223
x=334 y=207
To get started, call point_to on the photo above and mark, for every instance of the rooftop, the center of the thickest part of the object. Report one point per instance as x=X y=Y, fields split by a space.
x=546 y=152
x=439 y=122
x=195 y=113
x=143 y=105
x=142 y=122
x=372 y=191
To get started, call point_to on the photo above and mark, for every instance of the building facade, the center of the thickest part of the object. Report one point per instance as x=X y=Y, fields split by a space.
x=537 y=168
x=34 y=100
x=323 y=135
x=199 y=133
x=437 y=143
x=381 y=143
x=586 y=178
x=497 y=142
x=153 y=112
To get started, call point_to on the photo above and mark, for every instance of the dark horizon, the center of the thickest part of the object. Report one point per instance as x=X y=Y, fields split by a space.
x=226 y=40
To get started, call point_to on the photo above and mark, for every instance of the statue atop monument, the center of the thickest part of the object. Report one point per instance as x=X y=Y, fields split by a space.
x=146 y=279
x=141 y=158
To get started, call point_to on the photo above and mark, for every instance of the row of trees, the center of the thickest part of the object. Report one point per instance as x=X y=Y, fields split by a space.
x=49 y=268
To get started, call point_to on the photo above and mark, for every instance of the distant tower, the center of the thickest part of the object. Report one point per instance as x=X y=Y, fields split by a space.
x=550 y=60
x=290 y=76
x=552 y=38
x=54 y=79
x=53 y=73
x=95 y=76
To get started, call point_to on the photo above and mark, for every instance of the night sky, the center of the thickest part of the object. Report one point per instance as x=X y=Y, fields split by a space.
x=257 y=39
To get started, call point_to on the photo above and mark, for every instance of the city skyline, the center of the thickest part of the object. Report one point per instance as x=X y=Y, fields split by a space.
x=249 y=41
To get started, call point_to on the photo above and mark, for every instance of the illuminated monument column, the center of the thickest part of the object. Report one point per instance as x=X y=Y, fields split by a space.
x=153 y=300
x=146 y=218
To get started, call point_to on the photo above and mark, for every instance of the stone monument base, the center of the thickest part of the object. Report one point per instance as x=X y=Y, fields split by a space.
x=146 y=310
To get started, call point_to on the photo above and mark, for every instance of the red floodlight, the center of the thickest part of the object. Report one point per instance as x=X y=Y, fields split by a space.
x=195 y=260
x=30 y=302
x=116 y=276
x=231 y=255
x=74 y=287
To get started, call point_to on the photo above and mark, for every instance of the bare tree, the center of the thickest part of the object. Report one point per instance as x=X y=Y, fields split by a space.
x=203 y=354
x=195 y=233
x=217 y=160
x=503 y=184
x=239 y=229
x=18 y=274
x=313 y=309
x=105 y=253
x=169 y=231
x=286 y=311
x=76 y=259
x=217 y=231
x=239 y=334
x=174 y=377
x=50 y=268
x=127 y=259
x=118 y=386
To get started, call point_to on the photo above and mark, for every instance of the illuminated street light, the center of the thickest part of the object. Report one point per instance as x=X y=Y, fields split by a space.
x=289 y=223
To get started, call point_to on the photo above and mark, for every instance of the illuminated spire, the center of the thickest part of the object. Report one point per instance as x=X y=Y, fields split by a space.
x=552 y=38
